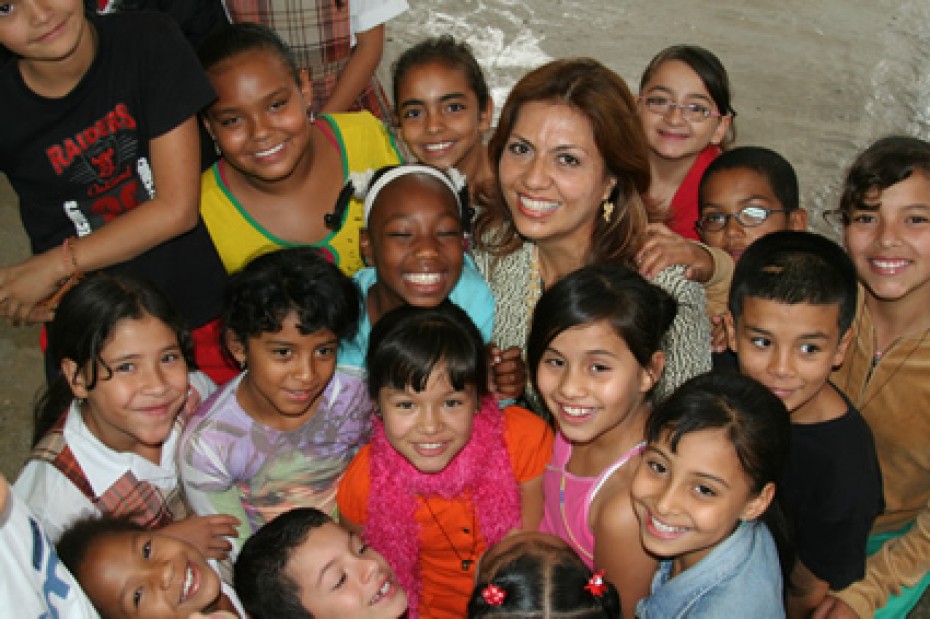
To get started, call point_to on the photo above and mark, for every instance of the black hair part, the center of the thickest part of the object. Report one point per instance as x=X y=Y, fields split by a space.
x=234 y=39
x=83 y=325
x=447 y=51
x=639 y=312
x=545 y=581
x=779 y=174
x=886 y=162
x=260 y=578
x=262 y=294
x=793 y=267
x=409 y=342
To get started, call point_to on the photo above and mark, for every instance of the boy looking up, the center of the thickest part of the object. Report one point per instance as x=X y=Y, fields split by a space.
x=745 y=194
x=792 y=301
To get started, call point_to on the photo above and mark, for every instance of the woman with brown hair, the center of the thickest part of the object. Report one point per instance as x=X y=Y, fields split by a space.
x=572 y=165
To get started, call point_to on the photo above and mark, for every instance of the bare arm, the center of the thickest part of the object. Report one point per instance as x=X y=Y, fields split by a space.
x=366 y=55
x=618 y=549
x=173 y=211
x=531 y=503
x=805 y=593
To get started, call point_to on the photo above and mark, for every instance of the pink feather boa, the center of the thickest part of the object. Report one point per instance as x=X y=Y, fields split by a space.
x=482 y=470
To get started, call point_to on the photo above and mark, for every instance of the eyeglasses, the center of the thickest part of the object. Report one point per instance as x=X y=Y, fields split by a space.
x=749 y=217
x=693 y=112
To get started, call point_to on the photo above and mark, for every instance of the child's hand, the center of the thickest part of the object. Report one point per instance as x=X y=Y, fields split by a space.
x=508 y=372
x=663 y=248
x=206 y=533
x=718 y=333
x=834 y=608
x=23 y=286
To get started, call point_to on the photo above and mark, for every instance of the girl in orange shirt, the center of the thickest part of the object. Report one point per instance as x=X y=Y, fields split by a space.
x=447 y=474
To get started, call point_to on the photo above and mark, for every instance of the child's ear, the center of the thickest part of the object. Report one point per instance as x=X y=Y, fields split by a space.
x=757 y=505
x=840 y=354
x=797 y=220
x=364 y=246
x=486 y=115
x=653 y=372
x=75 y=378
x=236 y=348
x=730 y=326
x=306 y=87
x=721 y=132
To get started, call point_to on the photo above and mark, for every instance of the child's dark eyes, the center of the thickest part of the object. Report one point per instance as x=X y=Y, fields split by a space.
x=147 y=549
x=761 y=342
x=137 y=598
x=863 y=218
x=455 y=107
x=228 y=121
x=6 y=8
x=569 y=160
x=124 y=367
x=412 y=113
x=915 y=219
x=554 y=362
x=810 y=349
x=656 y=467
x=325 y=351
x=454 y=403
x=170 y=357
x=277 y=105
x=705 y=491
x=282 y=353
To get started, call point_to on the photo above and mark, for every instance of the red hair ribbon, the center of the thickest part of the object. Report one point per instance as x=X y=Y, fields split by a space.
x=494 y=595
x=596 y=584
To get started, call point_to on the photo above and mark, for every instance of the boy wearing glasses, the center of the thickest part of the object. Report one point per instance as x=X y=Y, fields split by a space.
x=745 y=194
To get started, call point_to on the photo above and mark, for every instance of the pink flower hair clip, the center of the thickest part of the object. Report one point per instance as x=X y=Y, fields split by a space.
x=596 y=584
x=494 y=595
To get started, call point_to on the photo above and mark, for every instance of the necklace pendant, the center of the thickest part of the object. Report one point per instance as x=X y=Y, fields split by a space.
x=466 y=564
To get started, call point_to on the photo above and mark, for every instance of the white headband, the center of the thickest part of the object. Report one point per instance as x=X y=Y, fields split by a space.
x=451 y=178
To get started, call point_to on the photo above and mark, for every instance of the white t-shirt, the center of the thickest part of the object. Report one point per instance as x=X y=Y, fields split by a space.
x=33 y=582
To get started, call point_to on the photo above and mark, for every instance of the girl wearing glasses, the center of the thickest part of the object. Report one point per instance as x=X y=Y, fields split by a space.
x=684 y=106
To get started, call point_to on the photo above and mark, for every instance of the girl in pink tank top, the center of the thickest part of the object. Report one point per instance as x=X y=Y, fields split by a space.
x=594 y=356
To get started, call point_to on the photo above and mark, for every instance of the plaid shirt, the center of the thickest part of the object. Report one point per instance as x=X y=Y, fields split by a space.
x=138 y=501
x=320 y=36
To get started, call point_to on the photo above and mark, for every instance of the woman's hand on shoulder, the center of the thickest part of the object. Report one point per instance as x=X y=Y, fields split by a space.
x=208 y=534
x=663 y=248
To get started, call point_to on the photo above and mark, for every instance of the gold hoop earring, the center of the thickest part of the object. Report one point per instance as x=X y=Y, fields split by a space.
x=608 y=208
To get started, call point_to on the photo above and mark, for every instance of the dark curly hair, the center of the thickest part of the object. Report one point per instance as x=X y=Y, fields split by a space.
x=446 y=50
x=262 y=294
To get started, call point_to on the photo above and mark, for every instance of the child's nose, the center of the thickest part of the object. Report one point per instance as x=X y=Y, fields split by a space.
x=39 y=11
x=571 y=385
x=780 y=362
x=429 y=421
x=434 y=122
x=887 y=233
x=733 y=227
x=304 y=369
x=665 y=500
x=165 y=574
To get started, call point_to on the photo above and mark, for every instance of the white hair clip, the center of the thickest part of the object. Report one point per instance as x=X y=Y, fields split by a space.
x=454 y=180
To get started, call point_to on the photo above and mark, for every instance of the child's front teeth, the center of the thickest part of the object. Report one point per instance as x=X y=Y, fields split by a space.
x=188 y=581
x=270 y=151
x=423 y=278
x=382 y=591
x=435 y=147
x=666 y=528
x=430 y=445
x=573 y=411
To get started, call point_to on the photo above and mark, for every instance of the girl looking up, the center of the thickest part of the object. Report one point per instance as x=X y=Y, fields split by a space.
x=280 y=180
x=716 y=450
x=339 y=43
x=684 y=105
x=100 y=143
x=280 y=434
x=447 y=474
x=443 y=107
x=572 y=167
x=108 y=426
x=594 y=356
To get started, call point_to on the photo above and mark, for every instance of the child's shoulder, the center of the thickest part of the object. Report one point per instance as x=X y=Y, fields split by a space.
x=529 y=441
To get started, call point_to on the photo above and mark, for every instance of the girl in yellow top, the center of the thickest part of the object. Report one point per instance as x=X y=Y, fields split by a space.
x=281 y=178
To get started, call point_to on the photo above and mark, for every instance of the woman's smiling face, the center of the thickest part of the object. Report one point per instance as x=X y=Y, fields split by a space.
x=552 y=174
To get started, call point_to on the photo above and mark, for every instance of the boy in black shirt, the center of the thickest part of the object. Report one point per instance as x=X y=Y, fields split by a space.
x=792 y=301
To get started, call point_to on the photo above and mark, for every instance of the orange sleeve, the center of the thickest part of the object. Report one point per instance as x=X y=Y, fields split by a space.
x=352 y=495
x=529 y=442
